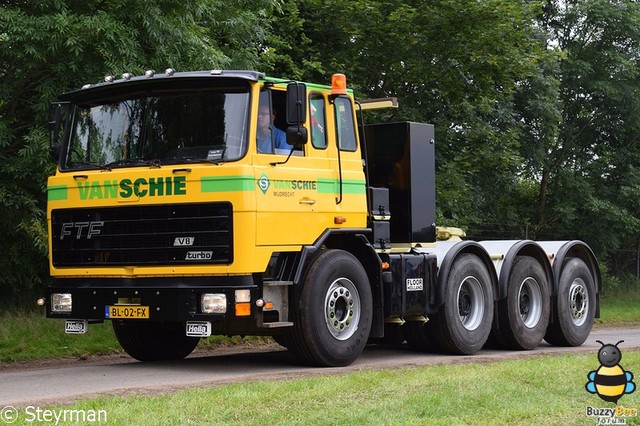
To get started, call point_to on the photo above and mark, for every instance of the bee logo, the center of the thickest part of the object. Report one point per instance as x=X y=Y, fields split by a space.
x=610 y=381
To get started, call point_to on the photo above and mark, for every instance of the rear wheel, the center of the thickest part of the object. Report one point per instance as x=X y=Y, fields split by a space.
x=334 y=314
x=523 y=315
x=462 y=325
x=574 y=307
x=154 y=340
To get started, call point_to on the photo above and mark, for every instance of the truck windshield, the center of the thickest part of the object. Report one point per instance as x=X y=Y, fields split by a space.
x=165 y=128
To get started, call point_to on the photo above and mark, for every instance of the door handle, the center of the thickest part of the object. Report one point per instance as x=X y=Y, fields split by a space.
x=307 y=201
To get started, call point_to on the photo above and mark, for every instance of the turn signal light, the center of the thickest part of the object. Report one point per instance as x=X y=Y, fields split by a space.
x=261 y=303
x=243 y=309
x=338 y=84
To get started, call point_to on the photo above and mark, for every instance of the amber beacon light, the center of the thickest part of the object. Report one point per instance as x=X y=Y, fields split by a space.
x=338 y=84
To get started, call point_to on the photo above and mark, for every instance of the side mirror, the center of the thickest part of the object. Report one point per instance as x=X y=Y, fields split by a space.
x=55 y=124
x=296 y=113
x=296 y=104
x=56 y=127
x=297 y=135
x=54 y=152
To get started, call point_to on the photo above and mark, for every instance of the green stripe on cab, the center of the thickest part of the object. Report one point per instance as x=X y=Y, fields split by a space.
x=57 y=193
x=226 y=183
x=331 y=186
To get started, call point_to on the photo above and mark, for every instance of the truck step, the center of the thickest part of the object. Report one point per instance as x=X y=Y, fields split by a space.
x=276 y=324
x=277 y=283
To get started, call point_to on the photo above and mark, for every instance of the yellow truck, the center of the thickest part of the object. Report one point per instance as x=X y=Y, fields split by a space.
x=186 y=204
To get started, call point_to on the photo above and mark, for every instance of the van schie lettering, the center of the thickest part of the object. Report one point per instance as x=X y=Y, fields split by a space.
x=127 y=188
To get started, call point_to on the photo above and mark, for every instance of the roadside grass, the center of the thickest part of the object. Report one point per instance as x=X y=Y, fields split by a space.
x=28 y=335
x=543 y=390
x=620 y=307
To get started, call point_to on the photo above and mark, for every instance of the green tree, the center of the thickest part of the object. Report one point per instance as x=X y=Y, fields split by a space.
x=535 y=102
x=49 y=46
x=582 y=147
x=455 y=63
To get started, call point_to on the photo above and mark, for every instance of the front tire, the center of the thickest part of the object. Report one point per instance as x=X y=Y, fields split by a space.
x=154 y=340
x=575 y=306
x=334 y=314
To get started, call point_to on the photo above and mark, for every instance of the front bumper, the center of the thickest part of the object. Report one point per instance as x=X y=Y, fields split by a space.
x=168 y=299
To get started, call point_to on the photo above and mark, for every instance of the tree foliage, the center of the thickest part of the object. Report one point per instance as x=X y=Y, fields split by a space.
x=535 y=103
x=455 y=63
x=587 y=163
x=51 y=46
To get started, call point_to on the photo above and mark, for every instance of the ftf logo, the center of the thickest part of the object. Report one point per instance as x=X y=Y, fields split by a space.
x=263 y=183
x=610 y=381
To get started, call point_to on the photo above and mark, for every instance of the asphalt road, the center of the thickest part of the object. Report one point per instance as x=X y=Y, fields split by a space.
x=63 y=381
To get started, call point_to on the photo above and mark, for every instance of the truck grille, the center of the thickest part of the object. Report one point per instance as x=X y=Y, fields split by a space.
x=143 y=235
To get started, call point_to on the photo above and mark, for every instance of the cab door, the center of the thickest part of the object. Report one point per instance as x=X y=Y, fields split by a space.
x=290 y=205
x=320 y=185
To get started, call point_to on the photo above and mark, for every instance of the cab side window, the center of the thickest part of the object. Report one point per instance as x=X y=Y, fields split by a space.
x=345 y=129
x=318 y=122
x=270 y=134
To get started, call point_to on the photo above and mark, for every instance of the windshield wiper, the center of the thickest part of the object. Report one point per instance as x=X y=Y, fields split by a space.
x=150 y=163
x=87 y=163
x=193 y=160
x=135 y=162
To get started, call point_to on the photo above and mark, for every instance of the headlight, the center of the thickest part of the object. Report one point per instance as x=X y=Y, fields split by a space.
x=61 y=302
x=213 y=303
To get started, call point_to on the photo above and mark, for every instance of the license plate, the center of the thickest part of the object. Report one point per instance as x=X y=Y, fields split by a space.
x=76 y=326
x=126 y=312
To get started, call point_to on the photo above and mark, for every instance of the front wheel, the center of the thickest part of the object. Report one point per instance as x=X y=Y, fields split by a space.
x=334 y=313
x=154 y=340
